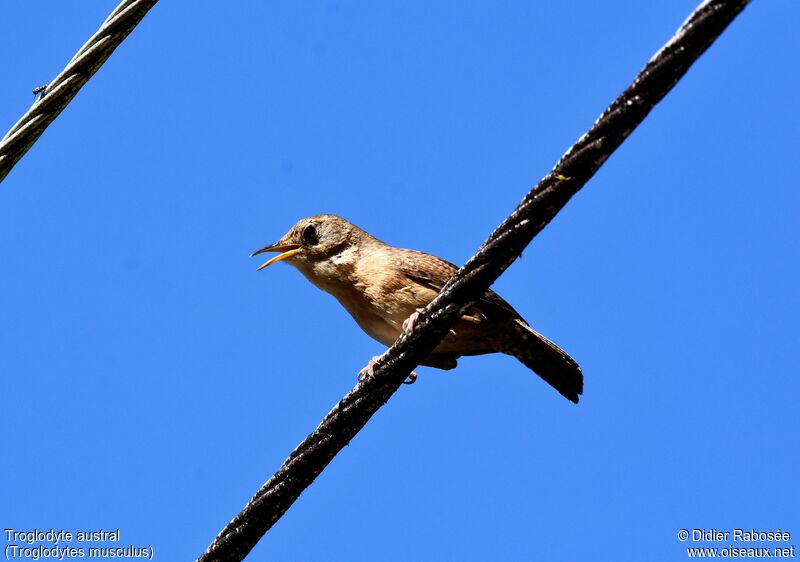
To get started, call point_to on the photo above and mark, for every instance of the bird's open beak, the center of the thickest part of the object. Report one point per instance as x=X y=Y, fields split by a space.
x=287 y=251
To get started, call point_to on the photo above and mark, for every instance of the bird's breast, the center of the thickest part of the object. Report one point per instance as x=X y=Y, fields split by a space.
x=372 y=315
x=377 y=296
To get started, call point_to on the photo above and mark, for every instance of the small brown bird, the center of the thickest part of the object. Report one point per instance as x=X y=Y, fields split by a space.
x=382 y=286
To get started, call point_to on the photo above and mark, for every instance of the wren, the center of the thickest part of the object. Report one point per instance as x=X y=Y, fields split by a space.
x=382 y=287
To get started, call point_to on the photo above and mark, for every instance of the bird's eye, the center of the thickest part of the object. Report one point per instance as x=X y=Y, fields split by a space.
x=310 y=236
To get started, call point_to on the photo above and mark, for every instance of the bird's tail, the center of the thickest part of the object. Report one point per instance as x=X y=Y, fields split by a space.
x=545 y=358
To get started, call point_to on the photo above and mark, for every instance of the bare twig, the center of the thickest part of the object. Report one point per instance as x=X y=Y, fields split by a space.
x=504 y=245
x=55 y=96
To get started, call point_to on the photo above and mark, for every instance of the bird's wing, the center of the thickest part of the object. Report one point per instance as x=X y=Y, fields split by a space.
x=432 y=272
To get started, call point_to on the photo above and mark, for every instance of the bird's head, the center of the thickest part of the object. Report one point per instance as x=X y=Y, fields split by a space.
x=314 y=240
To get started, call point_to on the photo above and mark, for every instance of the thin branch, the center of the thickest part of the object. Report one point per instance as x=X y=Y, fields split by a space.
x=55 y=96
x=504 y=245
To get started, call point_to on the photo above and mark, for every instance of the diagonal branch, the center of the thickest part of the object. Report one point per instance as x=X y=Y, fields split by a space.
x=502 y=247
x=56 y=95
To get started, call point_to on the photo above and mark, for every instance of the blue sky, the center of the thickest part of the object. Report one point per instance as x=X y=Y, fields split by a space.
x=152 y=379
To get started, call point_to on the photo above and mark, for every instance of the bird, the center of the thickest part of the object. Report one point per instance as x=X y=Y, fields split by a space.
x=384 y=288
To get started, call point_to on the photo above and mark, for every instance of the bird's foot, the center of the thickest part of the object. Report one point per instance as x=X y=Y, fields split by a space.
x=369 y=370
x=408 y=323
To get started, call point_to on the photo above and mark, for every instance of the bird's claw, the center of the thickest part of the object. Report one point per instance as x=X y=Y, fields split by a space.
x=369 y=370
x=408 y=323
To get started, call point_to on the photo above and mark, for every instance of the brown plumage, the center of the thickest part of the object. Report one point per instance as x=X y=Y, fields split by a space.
x=381 y=286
